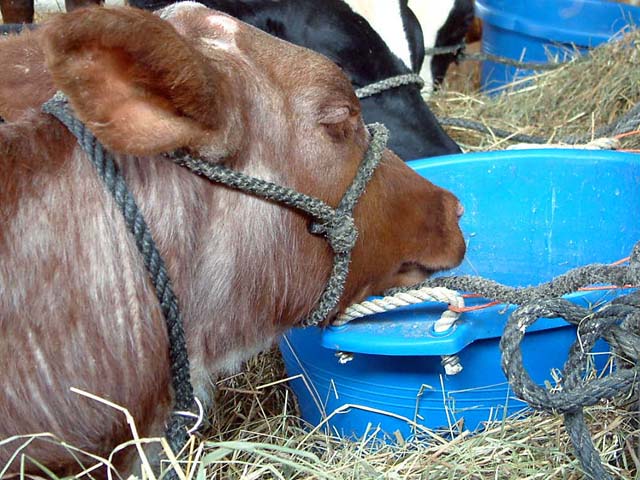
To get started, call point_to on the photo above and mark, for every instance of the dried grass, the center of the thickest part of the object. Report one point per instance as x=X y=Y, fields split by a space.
x=574 y=99
x=532 y=446
x=255 y=434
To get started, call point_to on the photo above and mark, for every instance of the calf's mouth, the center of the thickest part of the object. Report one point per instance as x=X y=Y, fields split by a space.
x=411 y=273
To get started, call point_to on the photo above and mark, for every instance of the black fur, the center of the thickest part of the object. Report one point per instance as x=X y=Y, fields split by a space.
x=451 y=33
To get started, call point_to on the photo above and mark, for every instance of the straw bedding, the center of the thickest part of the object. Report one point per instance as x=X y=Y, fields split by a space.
x=574 y=99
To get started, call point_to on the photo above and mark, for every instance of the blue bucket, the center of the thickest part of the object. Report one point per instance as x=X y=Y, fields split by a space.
x=530 y=216
x=531 y=31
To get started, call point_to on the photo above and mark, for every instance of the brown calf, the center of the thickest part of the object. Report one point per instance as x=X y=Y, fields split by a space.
x=76 y=306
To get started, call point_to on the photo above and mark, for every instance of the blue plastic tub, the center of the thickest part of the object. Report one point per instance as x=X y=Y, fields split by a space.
x=532 y=30
x=530 y=216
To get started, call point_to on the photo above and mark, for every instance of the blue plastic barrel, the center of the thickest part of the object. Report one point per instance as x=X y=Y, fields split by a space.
x=529 y=217
x=533 y=30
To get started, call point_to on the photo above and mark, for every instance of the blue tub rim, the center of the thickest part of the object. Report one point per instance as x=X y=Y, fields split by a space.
x=557 y=34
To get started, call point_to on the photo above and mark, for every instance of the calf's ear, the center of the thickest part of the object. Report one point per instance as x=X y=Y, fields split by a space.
x=139 y=85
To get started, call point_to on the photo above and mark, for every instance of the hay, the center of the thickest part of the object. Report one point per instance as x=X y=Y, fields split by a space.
x=255 y=434
x=574 y=99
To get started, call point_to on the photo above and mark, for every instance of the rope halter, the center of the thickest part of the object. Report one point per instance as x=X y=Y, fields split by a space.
x=389 y=83
x=337 y=225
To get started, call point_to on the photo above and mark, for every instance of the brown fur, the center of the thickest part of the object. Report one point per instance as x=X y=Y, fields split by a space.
x=26 y=82
x=76 y=306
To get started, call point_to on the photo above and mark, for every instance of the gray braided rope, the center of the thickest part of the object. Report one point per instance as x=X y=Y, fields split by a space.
x=618 y=275
x=337 y=226
x=115 y=184
x=575 y=393
x=626 y=123
x=482 y=57
x=255 y=186
x=389 y=83
x=15 y=28
x=446 y=50
x=618 y=323
x=482 y=128
x=459 y=52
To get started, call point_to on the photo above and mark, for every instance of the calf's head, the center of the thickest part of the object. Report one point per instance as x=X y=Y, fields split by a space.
x=230 y=94
x=244 y=269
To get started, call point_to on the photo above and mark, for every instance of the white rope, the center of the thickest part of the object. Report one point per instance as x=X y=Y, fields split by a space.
x=451 y=363
x=402 y=299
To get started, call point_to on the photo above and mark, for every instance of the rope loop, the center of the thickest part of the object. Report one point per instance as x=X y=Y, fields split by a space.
x=575 y=391
x=340 y=232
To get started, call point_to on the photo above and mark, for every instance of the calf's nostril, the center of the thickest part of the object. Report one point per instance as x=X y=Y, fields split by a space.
x=460 y=210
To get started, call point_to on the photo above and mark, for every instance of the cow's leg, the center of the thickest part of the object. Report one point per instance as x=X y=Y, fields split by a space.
x=73 y=4
x=16 y=11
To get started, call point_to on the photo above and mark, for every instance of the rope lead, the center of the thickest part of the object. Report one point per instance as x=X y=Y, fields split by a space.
x=107 y=170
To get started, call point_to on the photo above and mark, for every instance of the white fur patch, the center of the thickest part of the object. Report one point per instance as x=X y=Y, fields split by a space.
x=228 y=24
x=225 y=30
x=385 y=18
x=175 y=8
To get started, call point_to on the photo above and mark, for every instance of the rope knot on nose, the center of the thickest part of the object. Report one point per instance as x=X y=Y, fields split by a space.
x=340 y=231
